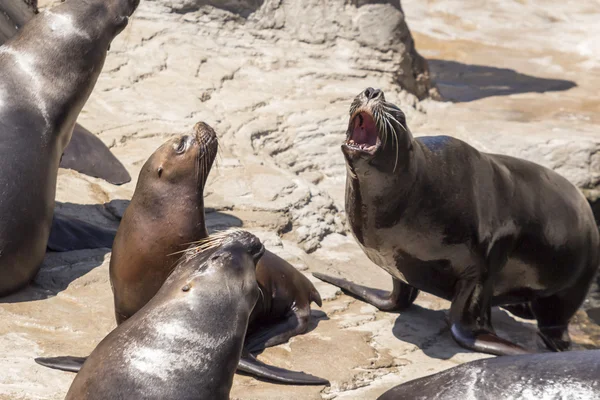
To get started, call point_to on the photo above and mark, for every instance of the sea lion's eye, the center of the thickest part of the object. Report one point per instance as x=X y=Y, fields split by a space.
x=160 y=170
x=181 y=146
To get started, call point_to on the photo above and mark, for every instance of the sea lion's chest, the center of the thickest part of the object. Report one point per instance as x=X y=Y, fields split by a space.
x=415 y=253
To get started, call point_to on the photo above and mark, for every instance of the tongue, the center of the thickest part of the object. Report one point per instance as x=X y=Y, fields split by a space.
x=365 y=130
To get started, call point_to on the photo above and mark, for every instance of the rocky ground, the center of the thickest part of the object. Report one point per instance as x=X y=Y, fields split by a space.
x=275 y=79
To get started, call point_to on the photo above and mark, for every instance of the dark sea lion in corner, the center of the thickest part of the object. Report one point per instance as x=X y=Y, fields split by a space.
x=569 y=375
x=49 y=69
x=477 y=229
x=166 y=213
x=186 y=342
x=85 y=152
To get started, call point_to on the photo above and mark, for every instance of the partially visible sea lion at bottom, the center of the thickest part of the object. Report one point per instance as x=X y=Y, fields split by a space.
x=568 y=375
x=165 y=214
x=187 y=341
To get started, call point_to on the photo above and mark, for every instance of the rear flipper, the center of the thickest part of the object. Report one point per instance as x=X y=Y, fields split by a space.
x=68 y=234
x=66 y=363
x=250 y=365
x=400 y=298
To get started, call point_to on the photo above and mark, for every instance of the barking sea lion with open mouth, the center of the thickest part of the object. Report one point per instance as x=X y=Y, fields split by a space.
x=477 y=229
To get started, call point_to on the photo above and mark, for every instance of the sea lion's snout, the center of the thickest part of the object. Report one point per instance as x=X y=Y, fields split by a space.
x=373 y=94
x=204 y=133
x=251 y=243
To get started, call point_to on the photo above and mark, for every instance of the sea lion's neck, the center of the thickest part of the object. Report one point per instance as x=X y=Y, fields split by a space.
x=375 y=198
x=183 y=203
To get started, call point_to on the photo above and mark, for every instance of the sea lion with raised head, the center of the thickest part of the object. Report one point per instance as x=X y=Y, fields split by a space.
x=477 y=229
x=568 y=375
x=166 y=213
x=186 y=342
x=49 y=69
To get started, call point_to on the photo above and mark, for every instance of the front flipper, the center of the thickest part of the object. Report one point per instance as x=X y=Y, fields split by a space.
x=87 y=154
x=400 y=298
x=296 y=323
x=68 y=234
x=250 y=365
x=66 y=363
x=470 y=322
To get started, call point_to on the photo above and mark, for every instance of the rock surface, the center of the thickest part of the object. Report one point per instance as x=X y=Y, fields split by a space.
x=275 y=78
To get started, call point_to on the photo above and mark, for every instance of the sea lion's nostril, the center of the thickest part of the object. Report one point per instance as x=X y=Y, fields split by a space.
x=374 y=94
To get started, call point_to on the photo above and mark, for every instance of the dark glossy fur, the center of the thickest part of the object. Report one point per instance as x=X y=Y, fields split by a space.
x=570 y=375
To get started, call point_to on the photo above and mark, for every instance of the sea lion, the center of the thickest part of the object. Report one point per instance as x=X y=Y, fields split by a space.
x=85 y=152
x=165 y=214
x=569 y=375
x=477 y=229
x=48 y=72
x=186 y=342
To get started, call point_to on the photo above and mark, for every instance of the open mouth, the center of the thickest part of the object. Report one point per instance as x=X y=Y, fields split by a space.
x=363 y=135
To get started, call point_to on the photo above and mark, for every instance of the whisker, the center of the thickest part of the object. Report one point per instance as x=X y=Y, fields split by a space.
x=394 y=136
x=396 y=121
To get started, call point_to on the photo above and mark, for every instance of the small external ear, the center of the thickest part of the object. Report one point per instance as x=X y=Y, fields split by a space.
x=160 y=170
x=120 y=24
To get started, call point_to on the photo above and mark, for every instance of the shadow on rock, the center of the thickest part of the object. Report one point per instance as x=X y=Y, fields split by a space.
x=107 y=215
x=219 y=221
x=460 y=82
x=427 y=329
x=241 y=7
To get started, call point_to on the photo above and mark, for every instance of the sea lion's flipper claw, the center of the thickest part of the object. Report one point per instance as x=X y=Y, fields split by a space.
x=65 y=363
x=295 y=324
x=87 y=154
x=401 y=297
x=68 y=234
x=250 y=365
